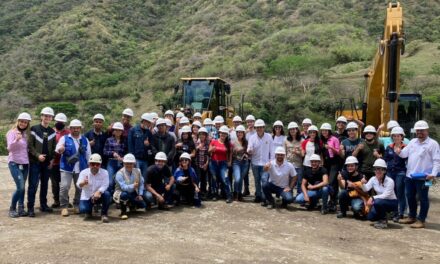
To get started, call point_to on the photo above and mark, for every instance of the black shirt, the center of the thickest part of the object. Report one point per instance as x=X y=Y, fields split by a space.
x=314 y=177
x=156 y=176
x=352 y=178
x=46 y=132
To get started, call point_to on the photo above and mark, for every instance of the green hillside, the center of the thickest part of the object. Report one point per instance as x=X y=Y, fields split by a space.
x=290 y=58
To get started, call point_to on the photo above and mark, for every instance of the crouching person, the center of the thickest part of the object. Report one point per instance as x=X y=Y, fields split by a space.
x=314 y=185
x=385 y=201
x=129 y=187
x=282 y=179
x=94 y=183
x=187 y=181
x=159 y=183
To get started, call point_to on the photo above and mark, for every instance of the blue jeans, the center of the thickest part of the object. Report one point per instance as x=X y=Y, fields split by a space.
x=38 y=172
x=314 y=197
x=86 y=206
x=143 y=166
x=414 y=188
x=357 y=204
x=299 y=175
x=269 y=188
x=260 y=177
x=19 y=176
x=239 y=169
x=168 y=195
x=127 y=197
x=113 y=166
x=399 y=188
x=218 y=171
x=380 y=209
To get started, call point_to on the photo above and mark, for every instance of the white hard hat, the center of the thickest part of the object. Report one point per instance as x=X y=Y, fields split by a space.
x=128 y=111
x=421 y=124
x=280 y=150
x=161 y=156
x=240 y=128
x=75 y=123
x=315 y=157
x=118 y=126
x=292 y=125
x=47 y=111
x=185 y=129
x=169 y=112
x=259 y=123
x=154 y=115
x=341 y=119
x=352 y=125
x=224 y=129
x=161 y=121
x=184 y=120
x=307 y=121
x=207 y=122
x=380 y=163
x=95 y=158
x=278 y=123
x=250 y=118
x=147 y=117
x=312 y=128
x=391 y=124
x=185 y=156
x=24 y=116
x=203 y=130
x=326 y=126
x=179 y=115
x=219 y=119
x=197 y=123
x=351 y=160
x=370 y=129
x=99 y=116
x=60 y=117
x=397 y=131
x=197 y=114
x=129 y=158
x=167 y=122
x=237 y=119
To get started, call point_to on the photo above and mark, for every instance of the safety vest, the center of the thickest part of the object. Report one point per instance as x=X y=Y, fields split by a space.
x=70 y=150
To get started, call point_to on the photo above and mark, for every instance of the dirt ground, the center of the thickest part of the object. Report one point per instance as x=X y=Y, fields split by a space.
x=216 y=233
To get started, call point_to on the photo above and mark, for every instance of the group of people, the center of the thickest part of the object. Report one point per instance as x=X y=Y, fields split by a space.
x=169 y=160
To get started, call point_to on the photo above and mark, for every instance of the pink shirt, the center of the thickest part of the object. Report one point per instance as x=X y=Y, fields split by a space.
x=333 y=142
x=18 y=150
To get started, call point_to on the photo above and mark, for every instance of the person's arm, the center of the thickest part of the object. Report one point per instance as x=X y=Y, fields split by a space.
x=323 y=183
x=367 y=187
x=271 y=150
x=435 y=161
x=358 y=149
x=31 y=145
x=388 y=192
x=12 y=140
x=88 y=151
x=105 y=183
x=79 y=183
x=335 y=146
x=303 y=148
x=404 y=152
x=293 y=178
x=60 y=147
x=342 y=151
x=341 y=181
x=304 y=190
x=153 y=191
x=125 y=187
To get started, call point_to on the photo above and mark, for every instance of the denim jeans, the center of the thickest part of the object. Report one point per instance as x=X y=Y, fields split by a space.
x=239 y=168
x=357 y=204
x=246 y=178
x=299 y=175
x=66 y=182
x=113 y=166
x=218 y=171
x=86 y=206
x=260 y=177
x=160 y=189
x=19 y=174
x=39 y=172
x=380 y=209
x=314 y=196
x=414 y=188
x=399 y=188
x=127 y=197
x=269 y=188
x=143 y=166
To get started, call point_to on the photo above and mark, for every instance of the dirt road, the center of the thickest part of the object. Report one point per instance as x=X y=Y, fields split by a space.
x=216 y=233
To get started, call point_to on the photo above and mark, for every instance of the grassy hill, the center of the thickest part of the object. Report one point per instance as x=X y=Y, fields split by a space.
x=290 y=58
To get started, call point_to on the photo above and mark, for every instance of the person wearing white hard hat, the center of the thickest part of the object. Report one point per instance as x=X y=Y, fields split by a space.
x=169 y=126
x=368 y=151
x=385 y=200
x=169 y=115
x=341 y=125
x=115 y=148
x=240 y=161
x=41 y=145
x=18 y=162
x=75 y=152
x=197 y=117
x=385 y=137
x=97 y=137
x=282 y=179
x=129 y=187
x=209 y=125
x=55 y=173
x=202 y=162
x=250 y=126
x=164 y=142
x=159 y=183
x=195 y=126
x=278 y=134
x=349 y=144
x=260 y=147
x=185 y=144
x=423 y=166
x=351 y=193
x=396 y=169
x=314 y=185
x=184 y=121
x=292 y=144
x=218 y=122
x=187 y=182
x=306 y=123
x=93 y=183
x=127 y=116
x=311 y=145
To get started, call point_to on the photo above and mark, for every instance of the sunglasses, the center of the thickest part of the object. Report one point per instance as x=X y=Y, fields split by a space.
x=94 y=164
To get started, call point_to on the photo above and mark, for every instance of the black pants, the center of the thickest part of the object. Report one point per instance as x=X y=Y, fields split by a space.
x=203 y=176
x=55 y=179
x=187 y=192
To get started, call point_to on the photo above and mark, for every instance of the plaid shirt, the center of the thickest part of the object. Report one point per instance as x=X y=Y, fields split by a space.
x=111 y=145
x=202 y=154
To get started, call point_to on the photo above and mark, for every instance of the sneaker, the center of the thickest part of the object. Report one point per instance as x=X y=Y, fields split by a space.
x=64 y=212
x=324 y=211
x=55 y=206
x=104 y=219
x=407 y=221
x=46 y=209
x=229 y=200
x=21 y=211
x=257 y=200
x=76 y=210
x=13 y=214
x=31 y=212
x=381 y=224
x=263 y=203
x=341 y=215
x=124 y=217
x=418 y=224
x=270 y=206
x=396 y=219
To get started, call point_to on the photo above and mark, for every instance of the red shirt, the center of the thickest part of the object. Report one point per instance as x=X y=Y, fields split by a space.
x=220 y=153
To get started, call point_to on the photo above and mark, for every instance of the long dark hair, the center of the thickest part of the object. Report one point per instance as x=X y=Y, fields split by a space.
x=323 y=139
x=318 y=144
x=244 y=141
x=273 y=132
x=297 y=137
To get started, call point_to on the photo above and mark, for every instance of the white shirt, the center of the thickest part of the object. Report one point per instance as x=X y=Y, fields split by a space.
x=278 y=141
x=281 y=175
x=385 y=191
x=310 y=150
x=61 y=142
x=98 y=182
x=423 y=157
x=250 y=133
x=261 y=149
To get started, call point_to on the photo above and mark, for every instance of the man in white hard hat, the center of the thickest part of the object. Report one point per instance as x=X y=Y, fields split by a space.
x=250 y=131
x=368 y=151
x=197 y=117
x=139 y=138
x=423 y=166
x=282 y=179
x=127 y=116
x=164 y=142
x=75 y=152
x=97 y=137
x=41 y=144
x=94 y=183
x=169 y=115
x=236 y=121
x=349 y=144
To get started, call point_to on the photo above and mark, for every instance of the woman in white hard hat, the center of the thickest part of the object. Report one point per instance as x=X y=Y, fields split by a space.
x=195 y=126
x=184 y=145
x=278 y=134
x=114 y=150
x=18 y=162
x=187 y=182
x=292 y=144
x=311 y=145
x=240 y=161
x=202 y=161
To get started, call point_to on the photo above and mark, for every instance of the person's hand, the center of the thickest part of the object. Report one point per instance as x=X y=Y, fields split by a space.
x=160 y=199
x=364 y=181
x=350 y=184
x=397 y=149
x=306 y=199
x=370 y=202
x=179 y=145
x=250 y=151
x=326 y=146
x=205 y=167
x=429 y=177
x=267 y=166
x=340 y=177
x=168 y=187
x=146 y=142
x=310 y=187
x=376 y=154
x=97 y=195
x=139 y=198
x=287 y=189
x=229 y=164
x=18 y=136
x=213 y=148
x=92 y=142
x=136 y=185
x=197 y=189
x=116 y=155
x=61 y=149
x=86 y=181
x=42 y=157
x=381 y=126
x=361 y=146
